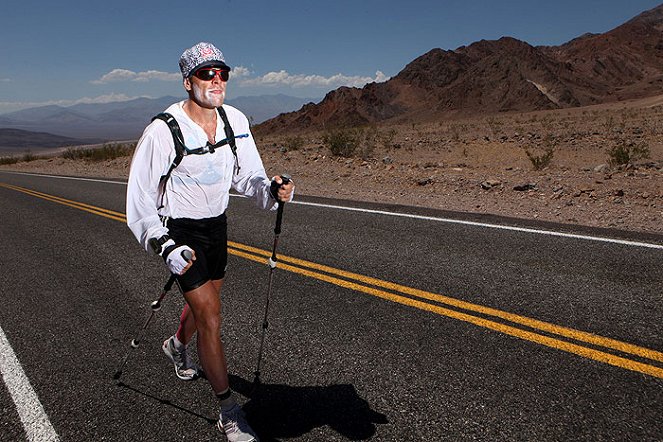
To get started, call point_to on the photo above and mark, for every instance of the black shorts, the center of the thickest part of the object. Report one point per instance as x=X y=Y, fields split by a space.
x=208 y=237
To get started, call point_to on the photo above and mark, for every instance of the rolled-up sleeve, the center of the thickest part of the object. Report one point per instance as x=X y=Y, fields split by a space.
x=152 y=157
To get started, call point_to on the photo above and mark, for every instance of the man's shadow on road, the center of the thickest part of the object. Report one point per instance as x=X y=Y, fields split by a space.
x=281 y=411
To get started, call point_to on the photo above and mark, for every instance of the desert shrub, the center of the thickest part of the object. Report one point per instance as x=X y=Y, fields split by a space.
x=293 y=143
x=358 y=142
x=29 y=156
x=8 y=160
x=387 y=138
x=541 y=161
x=612 y=126
x=342 y=142
x=108 y=151
x=70 y=154
x=547 y=123
x=625 y=152
x=544 y=159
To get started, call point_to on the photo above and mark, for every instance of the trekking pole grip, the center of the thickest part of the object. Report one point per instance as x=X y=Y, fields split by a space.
x=279 y=211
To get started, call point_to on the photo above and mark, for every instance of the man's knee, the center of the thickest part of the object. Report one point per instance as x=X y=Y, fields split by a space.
x=210 y=321
x=206 y=306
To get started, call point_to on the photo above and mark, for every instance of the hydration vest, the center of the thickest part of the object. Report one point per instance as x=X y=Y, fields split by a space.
x=181 y=150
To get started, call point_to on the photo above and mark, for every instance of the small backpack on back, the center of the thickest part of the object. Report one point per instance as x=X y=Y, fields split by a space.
x=181 y=150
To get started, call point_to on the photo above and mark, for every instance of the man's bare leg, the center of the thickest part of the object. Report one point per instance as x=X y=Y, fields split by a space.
x=204 y=316
x=187 y=326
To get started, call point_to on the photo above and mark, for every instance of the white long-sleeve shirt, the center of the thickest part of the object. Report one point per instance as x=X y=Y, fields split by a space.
x=199 y=186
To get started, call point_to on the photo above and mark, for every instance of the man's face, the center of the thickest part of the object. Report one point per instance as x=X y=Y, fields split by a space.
x=207 y=93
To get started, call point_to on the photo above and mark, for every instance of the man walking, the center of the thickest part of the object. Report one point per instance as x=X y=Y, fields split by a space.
x=174 y=207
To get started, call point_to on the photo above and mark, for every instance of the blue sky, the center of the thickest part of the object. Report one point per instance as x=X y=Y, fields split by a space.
x=65 y=52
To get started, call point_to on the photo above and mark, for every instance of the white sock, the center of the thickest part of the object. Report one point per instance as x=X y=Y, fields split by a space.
x=227 y=400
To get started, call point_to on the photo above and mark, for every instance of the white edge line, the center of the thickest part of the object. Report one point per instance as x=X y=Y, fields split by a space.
x=427 y=218
x=35 y=421
x=491 y=226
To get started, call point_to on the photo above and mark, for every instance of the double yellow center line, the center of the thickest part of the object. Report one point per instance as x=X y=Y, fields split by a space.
x=117 y=216
x=588 y=345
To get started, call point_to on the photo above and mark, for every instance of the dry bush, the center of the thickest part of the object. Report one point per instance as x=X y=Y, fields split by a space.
x=108 y=151
x=387 y=138
x=626 y=152
x=293 y=143
x=342 y=142
x=8 y=160
x=543 y=160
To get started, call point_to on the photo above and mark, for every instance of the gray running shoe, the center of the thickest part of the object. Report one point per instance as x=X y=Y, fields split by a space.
x=184 y=368
x=233 y=424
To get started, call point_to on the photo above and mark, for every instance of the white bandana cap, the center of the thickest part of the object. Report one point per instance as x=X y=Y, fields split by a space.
x=201 y=55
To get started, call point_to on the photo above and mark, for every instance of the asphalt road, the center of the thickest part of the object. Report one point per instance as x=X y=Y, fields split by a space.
x=382 y=327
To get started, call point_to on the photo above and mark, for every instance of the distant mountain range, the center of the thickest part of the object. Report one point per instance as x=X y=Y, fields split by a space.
x=121 y=120
x=498 y=76
x=17 y=140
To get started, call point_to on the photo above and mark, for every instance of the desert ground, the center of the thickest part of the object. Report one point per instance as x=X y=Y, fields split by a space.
x=478 y=165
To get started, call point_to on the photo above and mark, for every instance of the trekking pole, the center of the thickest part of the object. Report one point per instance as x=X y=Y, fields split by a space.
x=155 y=306
x=272 y=265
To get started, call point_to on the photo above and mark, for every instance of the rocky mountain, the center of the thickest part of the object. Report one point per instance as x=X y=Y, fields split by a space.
x=126 y=120
x=624 y=63
x=501 y=75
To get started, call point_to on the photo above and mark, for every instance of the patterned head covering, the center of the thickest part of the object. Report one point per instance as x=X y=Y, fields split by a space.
x=201 y=55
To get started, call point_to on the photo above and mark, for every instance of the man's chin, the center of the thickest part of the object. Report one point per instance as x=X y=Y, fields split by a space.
x=216 y=102
x=207 y=100
x=211 y=104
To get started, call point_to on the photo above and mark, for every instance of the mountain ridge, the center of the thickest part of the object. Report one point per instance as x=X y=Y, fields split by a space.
x=492 y=76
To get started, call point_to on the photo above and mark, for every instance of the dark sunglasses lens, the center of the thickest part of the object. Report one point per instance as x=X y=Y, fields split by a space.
x=205 y=74
x=208 y=74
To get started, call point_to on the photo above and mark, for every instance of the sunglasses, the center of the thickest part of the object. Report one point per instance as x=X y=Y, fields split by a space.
x=208 y=74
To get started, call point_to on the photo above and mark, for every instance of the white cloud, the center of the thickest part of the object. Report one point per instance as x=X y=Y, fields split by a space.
x=126 y=75
x=283 y=78
x=118 y=75
x=240 y=72
x=380 y=77
x=245 y=78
